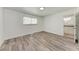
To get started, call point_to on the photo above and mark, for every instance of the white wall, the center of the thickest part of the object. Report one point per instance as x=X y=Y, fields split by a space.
x=55 y=23
x=1 y=21
x=1 y=25
x=13 y=24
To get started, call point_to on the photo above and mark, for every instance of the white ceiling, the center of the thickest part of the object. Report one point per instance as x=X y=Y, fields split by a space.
x=38 y=12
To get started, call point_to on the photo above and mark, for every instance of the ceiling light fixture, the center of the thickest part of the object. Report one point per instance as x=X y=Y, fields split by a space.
x=42 y=8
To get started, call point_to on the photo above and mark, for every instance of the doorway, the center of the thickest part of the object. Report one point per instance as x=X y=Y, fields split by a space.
x=69 y=22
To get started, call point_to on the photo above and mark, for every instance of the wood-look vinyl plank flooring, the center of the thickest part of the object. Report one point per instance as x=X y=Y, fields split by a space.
x=39 y=41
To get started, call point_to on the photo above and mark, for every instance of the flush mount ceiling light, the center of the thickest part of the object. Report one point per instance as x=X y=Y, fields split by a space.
x=42 y=8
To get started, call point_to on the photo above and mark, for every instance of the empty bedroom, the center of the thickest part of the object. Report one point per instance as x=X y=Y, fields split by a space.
x=39 y=28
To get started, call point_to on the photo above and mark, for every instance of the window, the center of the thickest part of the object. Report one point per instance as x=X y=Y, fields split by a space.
x=69 y=20
x=34 y=21
x=28 y=20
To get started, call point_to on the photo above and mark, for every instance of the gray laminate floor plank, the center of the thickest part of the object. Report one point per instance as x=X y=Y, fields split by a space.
x=39 y=41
